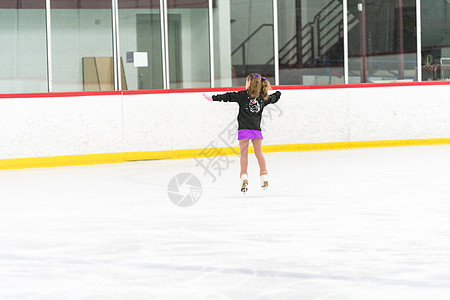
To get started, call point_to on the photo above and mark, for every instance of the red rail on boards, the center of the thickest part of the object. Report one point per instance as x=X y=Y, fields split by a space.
x=222 y=89
x=60 y=95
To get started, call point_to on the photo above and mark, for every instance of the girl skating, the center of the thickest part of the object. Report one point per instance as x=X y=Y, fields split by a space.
x=251 y=105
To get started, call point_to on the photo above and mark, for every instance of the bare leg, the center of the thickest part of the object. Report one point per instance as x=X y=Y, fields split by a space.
x=257 y=146
x=243 y=145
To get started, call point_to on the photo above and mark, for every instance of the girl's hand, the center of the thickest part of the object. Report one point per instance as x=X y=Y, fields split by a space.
x=207 y=97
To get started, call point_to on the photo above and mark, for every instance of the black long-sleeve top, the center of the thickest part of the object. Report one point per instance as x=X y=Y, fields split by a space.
x=250 y=110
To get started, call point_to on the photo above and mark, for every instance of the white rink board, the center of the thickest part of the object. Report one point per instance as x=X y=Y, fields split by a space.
x=54 y=126
x=416 y=112
x=41 y=127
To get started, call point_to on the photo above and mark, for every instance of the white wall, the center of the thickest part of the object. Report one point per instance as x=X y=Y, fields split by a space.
x=194 y=42
x=128 y=41
x=23 y=58
x=195 y=47
x=39 y=127
x=77 y=34
x=87 y=33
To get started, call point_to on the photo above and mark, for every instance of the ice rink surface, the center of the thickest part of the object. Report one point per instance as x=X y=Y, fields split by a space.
x=343 y=224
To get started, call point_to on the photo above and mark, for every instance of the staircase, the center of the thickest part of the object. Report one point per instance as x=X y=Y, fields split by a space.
x=318 y=43
x=245 y=69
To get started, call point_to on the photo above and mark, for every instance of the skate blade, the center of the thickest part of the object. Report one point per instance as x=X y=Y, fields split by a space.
x=244 y=187
x=265 y=185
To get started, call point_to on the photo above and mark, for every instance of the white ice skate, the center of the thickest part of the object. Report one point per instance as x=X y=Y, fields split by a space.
x=244 y=183
x=264 y=181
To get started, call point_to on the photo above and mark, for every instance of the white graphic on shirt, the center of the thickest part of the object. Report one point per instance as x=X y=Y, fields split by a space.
x=254 y=106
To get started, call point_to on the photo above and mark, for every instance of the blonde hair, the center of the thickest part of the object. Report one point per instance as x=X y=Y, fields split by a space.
x=258 y=86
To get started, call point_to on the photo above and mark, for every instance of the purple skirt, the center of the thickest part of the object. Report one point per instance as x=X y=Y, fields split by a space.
x=249 y=134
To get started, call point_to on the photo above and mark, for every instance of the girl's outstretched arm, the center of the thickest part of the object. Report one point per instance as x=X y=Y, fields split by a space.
x=229 y=97
x=274 y=97
x=207 y=97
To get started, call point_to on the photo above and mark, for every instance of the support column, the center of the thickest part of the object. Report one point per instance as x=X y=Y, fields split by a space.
x=362 y=28
x=276 y=53
x=419 y=41
x=299 y=37
x=401 y=47
x=345 y=29
x=116 y=48
x=211 y=42
x=49 y=46
x=164 y=43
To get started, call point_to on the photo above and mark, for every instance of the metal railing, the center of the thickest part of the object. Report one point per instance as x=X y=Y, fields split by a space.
x=317 y=37
x=311 y=43
x=242 y=45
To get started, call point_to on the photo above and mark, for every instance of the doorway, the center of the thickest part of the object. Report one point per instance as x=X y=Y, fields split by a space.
x=148 y=30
